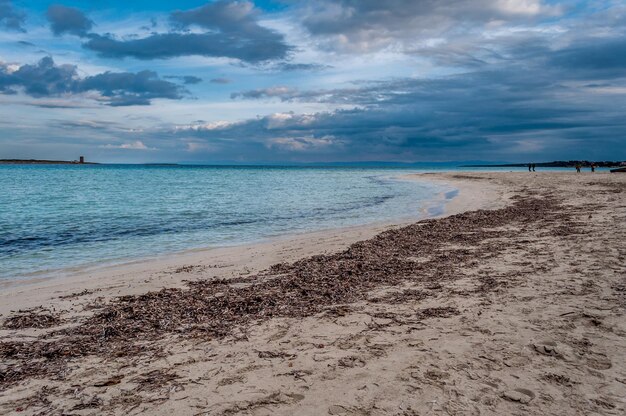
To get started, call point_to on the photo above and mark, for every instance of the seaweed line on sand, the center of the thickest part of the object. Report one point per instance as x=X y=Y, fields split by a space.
x=213 y=309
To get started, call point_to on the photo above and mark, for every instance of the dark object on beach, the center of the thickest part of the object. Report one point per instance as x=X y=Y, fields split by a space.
x=534 y=167
x=578 y=168
x=618 y=170
x=593 y=167
x=530 y=165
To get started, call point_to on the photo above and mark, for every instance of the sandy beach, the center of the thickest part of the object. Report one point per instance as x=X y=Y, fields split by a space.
x=510 y=303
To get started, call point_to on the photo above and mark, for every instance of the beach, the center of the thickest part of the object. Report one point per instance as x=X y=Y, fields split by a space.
x=510 y=302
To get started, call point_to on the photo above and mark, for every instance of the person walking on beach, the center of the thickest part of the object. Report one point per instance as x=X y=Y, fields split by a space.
x=577 y=167
x=534 y=167
x=593 y=167
x=530 y=165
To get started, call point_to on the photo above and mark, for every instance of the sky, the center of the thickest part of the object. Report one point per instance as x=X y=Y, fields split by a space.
x=290 y=81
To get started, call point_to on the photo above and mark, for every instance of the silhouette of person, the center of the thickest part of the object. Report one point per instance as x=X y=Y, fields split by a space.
x=534 y=167
x=530 y=165
x=577 y=167
x=593 y=167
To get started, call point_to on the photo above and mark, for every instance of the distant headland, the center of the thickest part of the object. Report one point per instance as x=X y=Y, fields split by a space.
x=80 y=161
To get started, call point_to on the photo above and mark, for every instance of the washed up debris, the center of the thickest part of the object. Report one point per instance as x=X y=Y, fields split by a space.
x=79 y=294
x=91 y=403
x=190 y=268
x=154 y=380
x=32 y=319
x=408 y=295
x=439 y=312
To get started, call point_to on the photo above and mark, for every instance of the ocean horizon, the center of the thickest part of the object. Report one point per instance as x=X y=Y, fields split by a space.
x=57 y=217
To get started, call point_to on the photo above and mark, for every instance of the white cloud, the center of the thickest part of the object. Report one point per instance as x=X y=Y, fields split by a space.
x=300 y=144
x=526 y=7
x=136 y=145
x=214 y=125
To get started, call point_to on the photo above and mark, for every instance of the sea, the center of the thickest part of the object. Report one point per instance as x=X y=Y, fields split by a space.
x=55 y=217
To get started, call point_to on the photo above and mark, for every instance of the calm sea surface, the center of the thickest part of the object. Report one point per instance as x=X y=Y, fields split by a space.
x=60 y=216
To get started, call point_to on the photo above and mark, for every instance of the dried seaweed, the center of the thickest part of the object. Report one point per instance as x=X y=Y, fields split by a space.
x=31 y=319
x=438 y=312
x=38 y=400
x=189 y=269
x=154 y=380
x=489 y=284
x=339 y=310
x=92 y=403
x=409 y=295
x=79 y=294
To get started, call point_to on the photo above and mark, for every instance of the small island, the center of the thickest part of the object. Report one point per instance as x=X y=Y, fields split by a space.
x=80 y=161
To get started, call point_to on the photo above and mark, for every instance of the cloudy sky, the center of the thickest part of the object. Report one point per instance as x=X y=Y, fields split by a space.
x=313 y=80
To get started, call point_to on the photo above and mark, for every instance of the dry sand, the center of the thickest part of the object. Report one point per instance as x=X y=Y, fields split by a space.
x=514 y=310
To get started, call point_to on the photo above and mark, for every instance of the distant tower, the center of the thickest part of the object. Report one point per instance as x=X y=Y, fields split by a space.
x=82 y=159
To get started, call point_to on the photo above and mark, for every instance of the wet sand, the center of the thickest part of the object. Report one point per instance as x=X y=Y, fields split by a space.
x=515 y=309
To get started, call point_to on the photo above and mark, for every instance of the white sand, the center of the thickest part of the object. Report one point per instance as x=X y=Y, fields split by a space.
x=549 y=339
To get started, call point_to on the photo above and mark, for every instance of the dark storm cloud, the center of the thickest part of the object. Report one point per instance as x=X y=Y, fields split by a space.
x=171 y=45
x=46 y=79
x=10 y=18
x=525 y=106
x=234 y=32
x=126 y=88
x=521 y=93
x=593 y=57
x=39 y=80
x=68 y=20
x=293 y=67
x=342 y=134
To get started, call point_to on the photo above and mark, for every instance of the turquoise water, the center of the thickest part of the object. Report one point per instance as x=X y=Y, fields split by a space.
x=60 y=216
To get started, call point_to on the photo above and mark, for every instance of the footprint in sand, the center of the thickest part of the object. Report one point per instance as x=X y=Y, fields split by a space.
x=339 y=410
x=546 y=348
x=523 y=396
x=295 y=397
x=599 y=362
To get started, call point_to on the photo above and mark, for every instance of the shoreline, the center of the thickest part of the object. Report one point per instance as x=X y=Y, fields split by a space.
x=96 y=265
x=514 y=309
x=465 y=198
